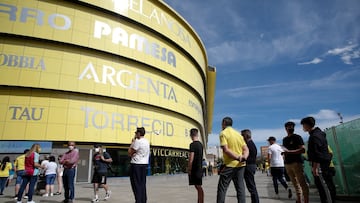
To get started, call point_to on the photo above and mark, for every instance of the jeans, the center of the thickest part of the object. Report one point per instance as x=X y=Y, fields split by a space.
x=2 y=184
x=19 y=176
x=278 y=174
x=237 y=176
x=68 y=182
x=26 y=180
x=138 y=182
x=249 y=173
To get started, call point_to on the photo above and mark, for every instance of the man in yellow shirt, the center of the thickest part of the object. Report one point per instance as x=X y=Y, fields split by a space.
x=235 y=153
x=20 y=171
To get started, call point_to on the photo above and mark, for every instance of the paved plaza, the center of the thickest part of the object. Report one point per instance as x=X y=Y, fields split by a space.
x=167 y=189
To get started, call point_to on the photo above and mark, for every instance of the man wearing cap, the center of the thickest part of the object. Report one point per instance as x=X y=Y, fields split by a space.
x=139 y=152
x=276 y=161
x=293 y=149
x=319 y=158
x=235 y=152
x=101 y=161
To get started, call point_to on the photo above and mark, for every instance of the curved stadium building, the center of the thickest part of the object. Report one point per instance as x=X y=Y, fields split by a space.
x=92 y=71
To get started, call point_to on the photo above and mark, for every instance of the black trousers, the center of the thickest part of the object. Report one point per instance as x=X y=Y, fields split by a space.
x=329 y=184
x=250 y=170
x=138 y=182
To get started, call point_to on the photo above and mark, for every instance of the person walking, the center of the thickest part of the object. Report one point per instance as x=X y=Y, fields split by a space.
x=69 y=160
x=101 y=161
x=319 y=158
x=5 y=167
x=276 y=161
x=250 y=168
x=139 y=151
x=31 y=172
x=59 y=177
x=20 y=172
x=294 y=163
x=195 y=164
x=235 y=154
x=50 y=176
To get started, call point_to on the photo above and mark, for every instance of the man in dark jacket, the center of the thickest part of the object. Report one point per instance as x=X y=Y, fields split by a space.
x=250 y=168
x=319 y=157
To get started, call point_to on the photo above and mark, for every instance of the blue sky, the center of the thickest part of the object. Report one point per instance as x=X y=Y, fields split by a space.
x=279 y=60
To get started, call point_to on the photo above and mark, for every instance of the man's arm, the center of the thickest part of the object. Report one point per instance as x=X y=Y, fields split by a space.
x=106 y=158
x=231 y=154
x=299 y=150
x=191 y=159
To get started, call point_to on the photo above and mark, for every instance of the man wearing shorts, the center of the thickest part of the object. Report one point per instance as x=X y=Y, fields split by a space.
x=101 y=160
x=195 y=164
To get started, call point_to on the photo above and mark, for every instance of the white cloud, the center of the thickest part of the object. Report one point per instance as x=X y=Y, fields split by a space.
x=314 y=61
x=338 y=51
x=325 y=114
x=347 y=54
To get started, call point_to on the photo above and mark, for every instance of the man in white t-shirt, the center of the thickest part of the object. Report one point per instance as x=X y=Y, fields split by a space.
x=276 y=160
x=139 y=152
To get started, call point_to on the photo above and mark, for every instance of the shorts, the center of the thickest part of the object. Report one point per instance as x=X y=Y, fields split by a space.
x=195 y=178
x=99 y=178
x=50 y=179
x=19 y=176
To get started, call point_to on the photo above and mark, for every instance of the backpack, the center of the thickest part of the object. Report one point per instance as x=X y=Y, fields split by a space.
x=29 y=165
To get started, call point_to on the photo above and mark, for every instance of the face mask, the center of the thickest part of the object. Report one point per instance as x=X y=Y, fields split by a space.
x=97 y=150
x=71 y=147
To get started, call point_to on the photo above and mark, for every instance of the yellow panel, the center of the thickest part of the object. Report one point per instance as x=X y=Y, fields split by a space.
x=35 y=131
x=91 y=119
x=98 y=32
x=14 y=131
x=56 y=132
x=105 y=76
x=164 y=20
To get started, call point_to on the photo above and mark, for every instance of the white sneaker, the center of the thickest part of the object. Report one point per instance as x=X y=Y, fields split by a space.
x=51 y=194
x=45 y=195
x=96 y=199
x=32 y=201
x=107 y=195
x=18 y=202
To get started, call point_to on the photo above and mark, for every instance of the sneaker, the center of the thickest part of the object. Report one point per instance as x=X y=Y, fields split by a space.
x=32 y=201
x=15 y=197
x=95 y=200
x=25 y=196
x=45 y=195
x=57 y=193
x=290 y=193
x=51 y=194
x=107 y=195
x=18 y=202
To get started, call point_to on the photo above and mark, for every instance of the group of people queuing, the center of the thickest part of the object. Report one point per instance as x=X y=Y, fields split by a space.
x=239 y=166
x=28 y=168
x=240 y=152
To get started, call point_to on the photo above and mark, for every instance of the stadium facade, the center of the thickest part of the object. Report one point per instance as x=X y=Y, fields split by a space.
x=92 y=71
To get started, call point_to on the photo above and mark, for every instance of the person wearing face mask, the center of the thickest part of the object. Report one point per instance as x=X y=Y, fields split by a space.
x=101 y=161
x=69 y=161
x=293 y=149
